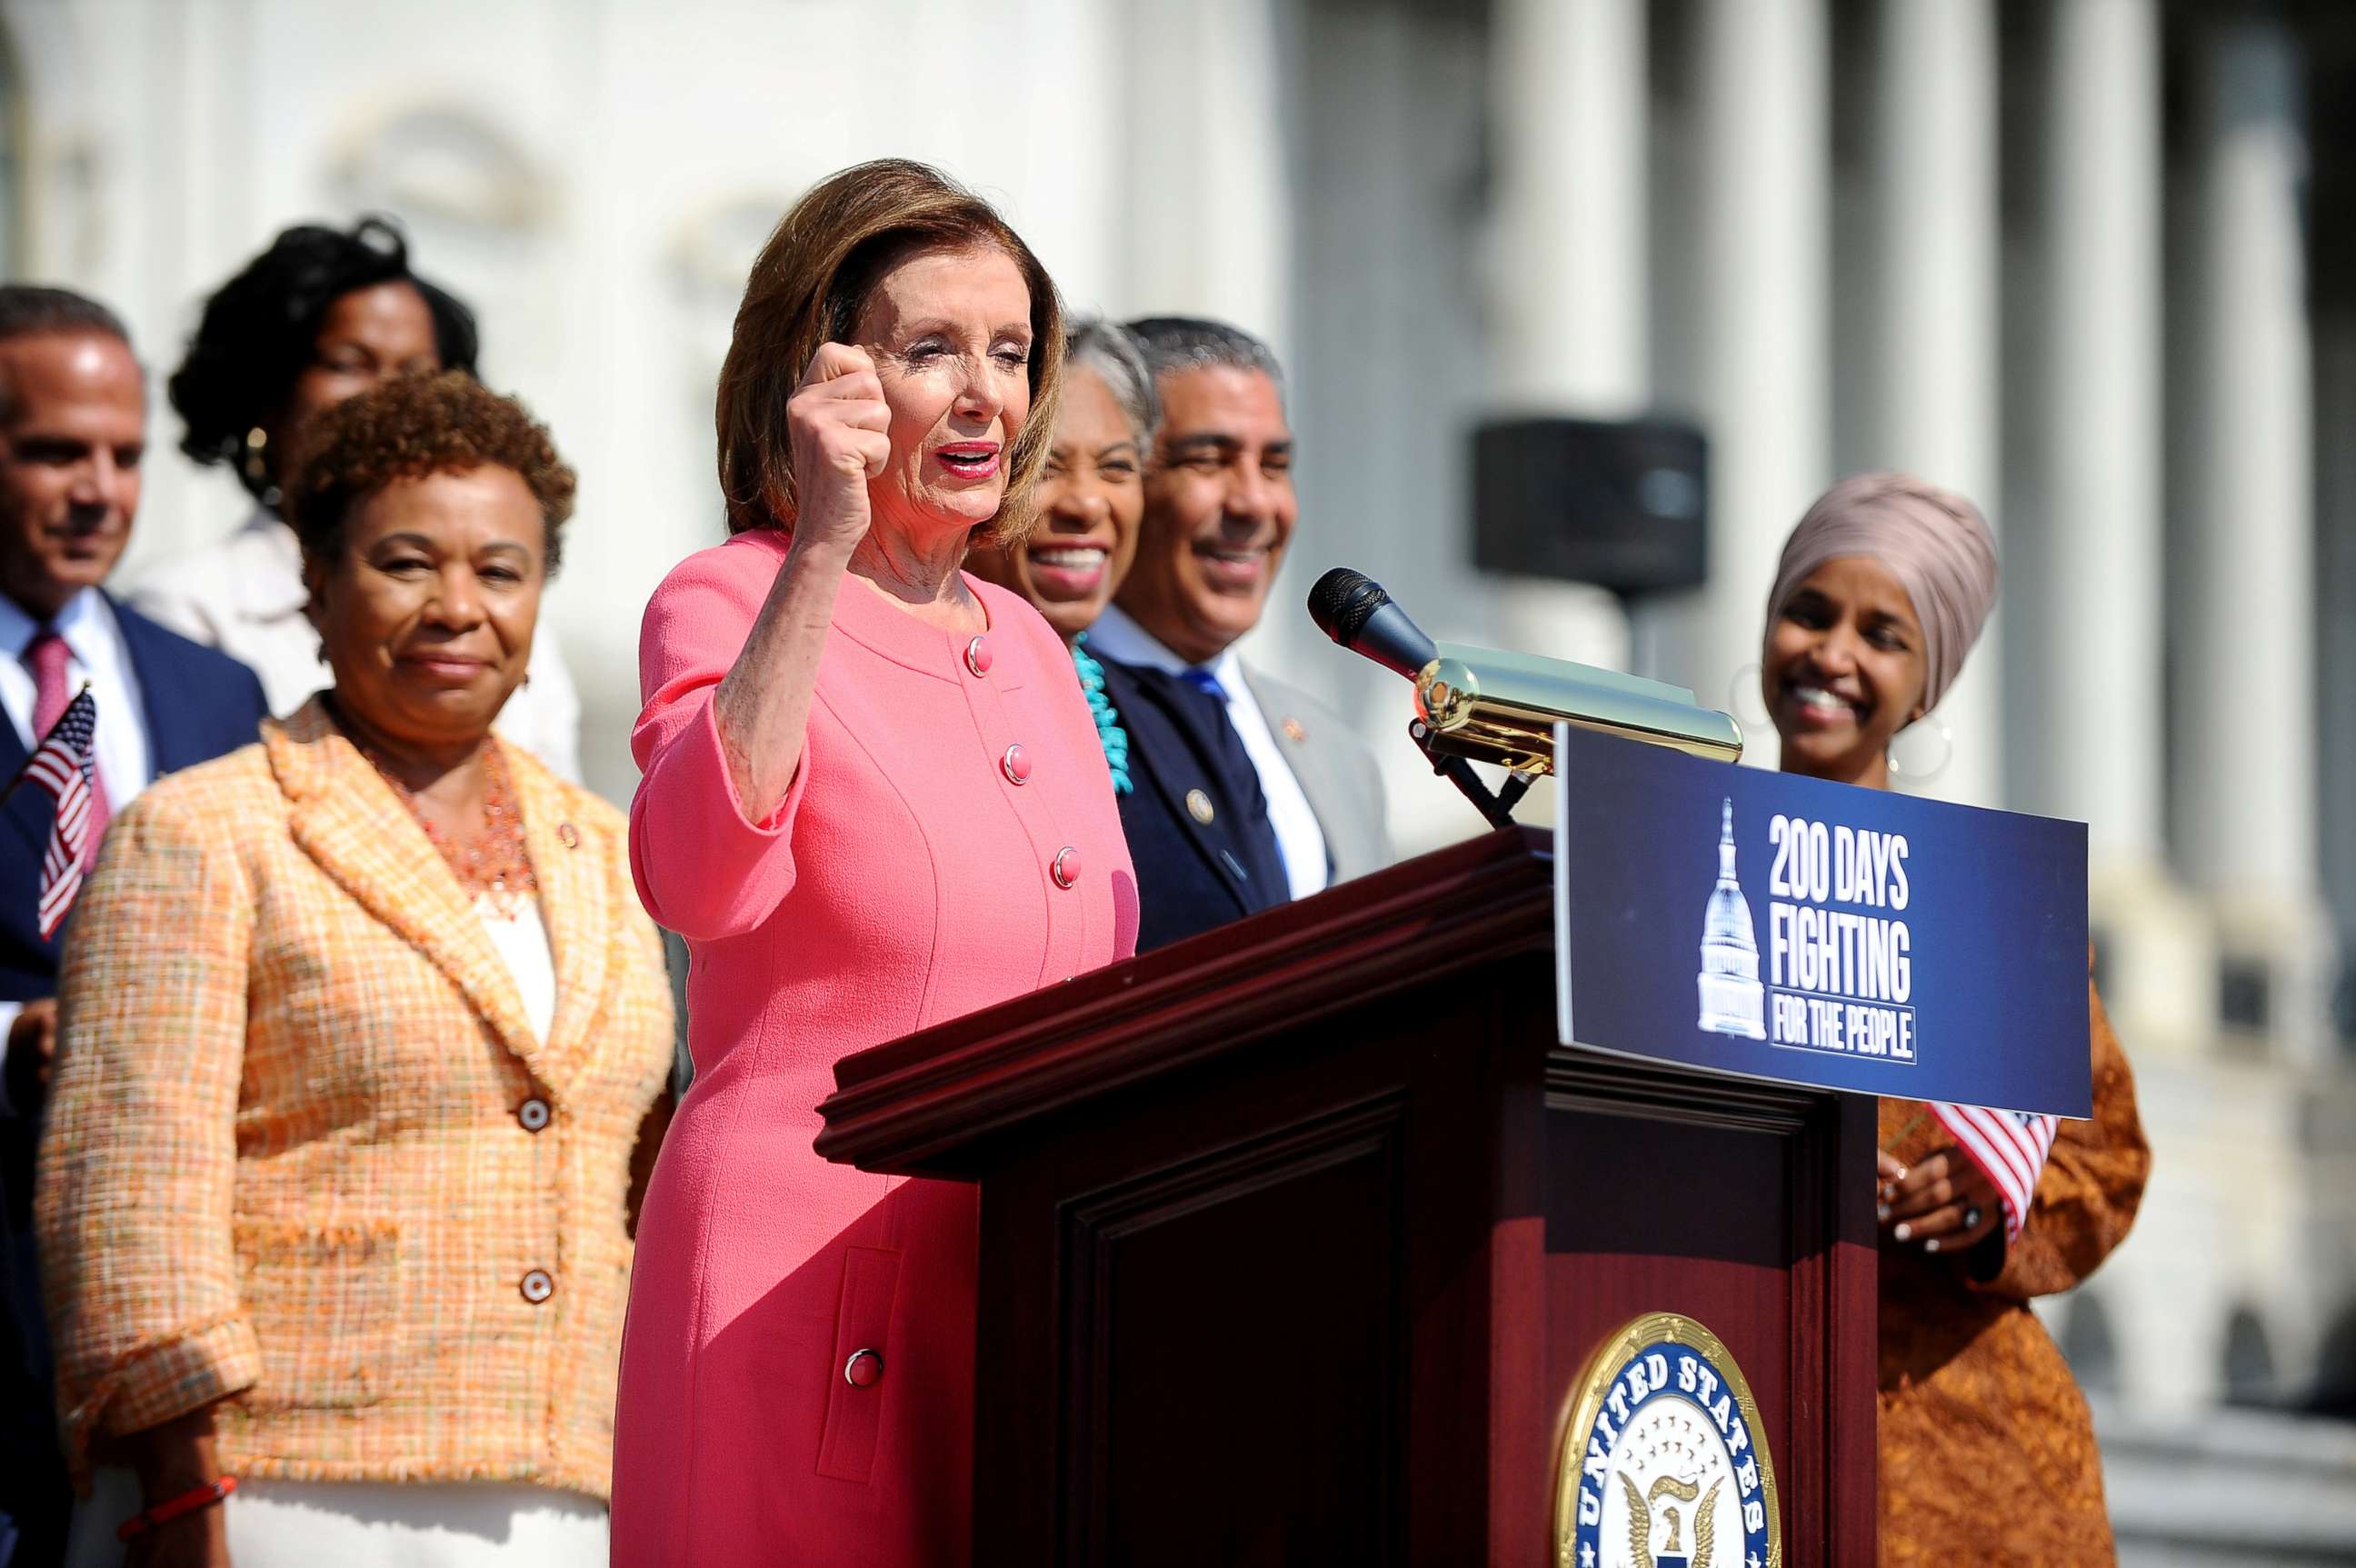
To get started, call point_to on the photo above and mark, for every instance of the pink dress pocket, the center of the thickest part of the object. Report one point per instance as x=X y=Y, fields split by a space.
x=862 y=1358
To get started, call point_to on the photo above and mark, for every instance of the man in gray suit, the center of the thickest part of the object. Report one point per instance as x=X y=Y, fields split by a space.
x=1280 y=800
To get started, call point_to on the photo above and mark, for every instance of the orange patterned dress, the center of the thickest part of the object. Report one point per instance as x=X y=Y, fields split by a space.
x=1987 y=1452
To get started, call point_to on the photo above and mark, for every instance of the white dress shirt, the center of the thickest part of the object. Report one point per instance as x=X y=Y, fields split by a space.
x=1298 y=836
x=245 y=595
x=95 y=654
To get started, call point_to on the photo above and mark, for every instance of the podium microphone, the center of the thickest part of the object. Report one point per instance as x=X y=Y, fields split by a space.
x=1354 y=612
x=1358 y=613
x=1483 y=704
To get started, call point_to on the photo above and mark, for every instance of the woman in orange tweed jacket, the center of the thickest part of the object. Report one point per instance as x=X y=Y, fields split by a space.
x=1988 y=1451
x=361 y=1026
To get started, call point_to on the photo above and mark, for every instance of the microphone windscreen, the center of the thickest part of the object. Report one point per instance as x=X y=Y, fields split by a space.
x=1342 y=601
x=1352 y=609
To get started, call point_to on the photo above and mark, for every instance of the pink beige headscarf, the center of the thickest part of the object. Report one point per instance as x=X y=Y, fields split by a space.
x=1935 y=542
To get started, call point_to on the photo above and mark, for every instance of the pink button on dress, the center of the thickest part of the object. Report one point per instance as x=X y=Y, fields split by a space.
x=907 y=878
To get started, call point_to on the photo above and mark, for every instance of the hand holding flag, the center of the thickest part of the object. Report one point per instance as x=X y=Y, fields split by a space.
x=2008 y=1146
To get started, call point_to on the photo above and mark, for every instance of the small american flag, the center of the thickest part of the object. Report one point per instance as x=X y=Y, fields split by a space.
x=2010 y=1147
x=62 y=767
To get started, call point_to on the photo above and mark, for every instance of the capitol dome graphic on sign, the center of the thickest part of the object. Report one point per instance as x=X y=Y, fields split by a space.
x=1732 y=1000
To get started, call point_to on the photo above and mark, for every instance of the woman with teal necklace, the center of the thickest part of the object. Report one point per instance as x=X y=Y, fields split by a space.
x=1089 y=504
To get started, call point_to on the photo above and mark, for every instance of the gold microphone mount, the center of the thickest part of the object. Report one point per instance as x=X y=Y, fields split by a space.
x=1481 y=704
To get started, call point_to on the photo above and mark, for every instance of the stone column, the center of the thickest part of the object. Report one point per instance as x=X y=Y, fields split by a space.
x=1566 y=266
x=1207 y=220
x=2101 y=546
x=1207 y=212
x=1750 y=354
x=2085 y=561
x=1933 y=336
x=2244 y=655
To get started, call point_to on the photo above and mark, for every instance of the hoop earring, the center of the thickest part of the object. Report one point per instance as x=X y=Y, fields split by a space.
x=1918 y=771
x=257 y=472
x=1747 y=680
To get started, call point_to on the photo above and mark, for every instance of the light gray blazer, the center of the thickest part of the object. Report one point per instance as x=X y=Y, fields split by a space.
x=1336 y=772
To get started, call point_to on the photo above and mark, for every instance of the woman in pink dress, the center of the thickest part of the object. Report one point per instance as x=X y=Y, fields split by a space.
x=874 y=799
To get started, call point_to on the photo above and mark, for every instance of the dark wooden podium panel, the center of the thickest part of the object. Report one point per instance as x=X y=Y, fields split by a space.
x=1296 y=1236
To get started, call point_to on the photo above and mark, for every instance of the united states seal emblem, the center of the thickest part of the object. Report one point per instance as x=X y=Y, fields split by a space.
x=1663 y=1461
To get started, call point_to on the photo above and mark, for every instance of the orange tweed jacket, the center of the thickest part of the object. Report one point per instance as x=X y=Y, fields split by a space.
x=292 y=1158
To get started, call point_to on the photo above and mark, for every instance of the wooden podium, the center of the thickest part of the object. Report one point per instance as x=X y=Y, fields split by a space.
x=1295 y=1236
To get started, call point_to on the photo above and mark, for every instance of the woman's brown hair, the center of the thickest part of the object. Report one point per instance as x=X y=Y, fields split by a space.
x=808 y=288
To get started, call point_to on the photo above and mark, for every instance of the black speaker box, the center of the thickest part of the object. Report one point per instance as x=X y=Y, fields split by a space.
x=1622 y=505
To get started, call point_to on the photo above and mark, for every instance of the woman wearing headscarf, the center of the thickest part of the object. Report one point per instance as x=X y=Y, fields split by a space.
x=874 y=799
x=321 y=316
x=1988 y=1451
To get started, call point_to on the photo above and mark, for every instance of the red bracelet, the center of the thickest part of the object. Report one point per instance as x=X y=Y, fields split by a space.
x=204 y=1496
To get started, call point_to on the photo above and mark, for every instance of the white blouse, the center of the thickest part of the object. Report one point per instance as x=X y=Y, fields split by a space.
x=521 y=937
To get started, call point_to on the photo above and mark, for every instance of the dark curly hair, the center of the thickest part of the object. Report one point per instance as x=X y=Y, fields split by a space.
x=410 y=427
x=262 y=328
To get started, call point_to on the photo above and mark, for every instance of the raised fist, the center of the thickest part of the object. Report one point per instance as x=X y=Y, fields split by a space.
x=839 y=425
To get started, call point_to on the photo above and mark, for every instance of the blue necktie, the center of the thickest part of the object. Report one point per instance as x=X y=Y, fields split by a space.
x=1253 y=832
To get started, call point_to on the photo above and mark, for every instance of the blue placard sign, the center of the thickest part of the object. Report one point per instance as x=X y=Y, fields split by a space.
x=1776 y=927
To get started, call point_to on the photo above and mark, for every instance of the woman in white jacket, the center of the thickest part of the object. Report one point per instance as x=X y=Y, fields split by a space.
x=321 y=316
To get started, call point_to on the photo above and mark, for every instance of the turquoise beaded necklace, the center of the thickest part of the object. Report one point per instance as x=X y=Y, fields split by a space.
x=1110 y=735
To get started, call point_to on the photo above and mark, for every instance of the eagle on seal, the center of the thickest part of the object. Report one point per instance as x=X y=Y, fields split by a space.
x=1640 y=1519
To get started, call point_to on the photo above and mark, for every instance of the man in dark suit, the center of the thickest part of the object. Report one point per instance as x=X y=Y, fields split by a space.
x=1249 y=792
x=1194 y=816
x=73 y=429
